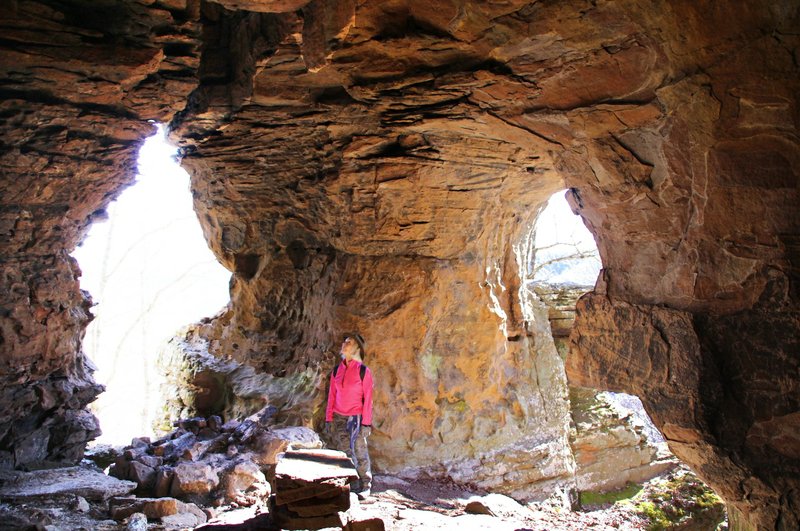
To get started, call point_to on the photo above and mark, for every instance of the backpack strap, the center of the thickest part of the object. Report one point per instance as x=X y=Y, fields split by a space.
x=362 y=371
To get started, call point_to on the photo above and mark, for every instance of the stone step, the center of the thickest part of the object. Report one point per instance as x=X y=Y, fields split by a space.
x=301 y=467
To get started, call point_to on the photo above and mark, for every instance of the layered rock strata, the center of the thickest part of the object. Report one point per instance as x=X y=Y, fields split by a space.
x=80 y=80
x=560 y=302
x=312 y=489
x=377 y=165
x=661 y=127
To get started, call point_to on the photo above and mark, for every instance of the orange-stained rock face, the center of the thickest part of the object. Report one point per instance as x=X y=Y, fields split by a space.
x=378 y=165
x=404 y=231
x=79 y=82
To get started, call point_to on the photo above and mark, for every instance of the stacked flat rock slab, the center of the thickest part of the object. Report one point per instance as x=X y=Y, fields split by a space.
x=312 y=489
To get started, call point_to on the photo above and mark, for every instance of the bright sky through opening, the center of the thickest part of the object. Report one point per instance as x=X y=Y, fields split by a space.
x=566 y=252
x=150 y=272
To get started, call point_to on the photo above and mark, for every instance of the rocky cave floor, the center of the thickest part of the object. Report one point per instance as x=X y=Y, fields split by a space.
x=402 y=505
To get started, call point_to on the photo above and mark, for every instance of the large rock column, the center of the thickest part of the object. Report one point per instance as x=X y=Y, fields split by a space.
x=405 y=230
x=696 y=218
x=79 y=82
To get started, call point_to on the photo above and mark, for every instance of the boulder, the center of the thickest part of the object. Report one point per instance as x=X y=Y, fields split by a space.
x=365 y=524
x=182 y=521
x=193 y=479
x=163 y=483
x=136 y=522
x=155 y=509
x=269 y=444
x=241 y=476
x=497 y=505
x=143 y=475
x=611 y=447
x=151 y=461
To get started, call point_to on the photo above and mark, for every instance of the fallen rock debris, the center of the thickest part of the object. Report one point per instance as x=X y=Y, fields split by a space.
x=396 y=504
x=211 y=463
x=205 y=470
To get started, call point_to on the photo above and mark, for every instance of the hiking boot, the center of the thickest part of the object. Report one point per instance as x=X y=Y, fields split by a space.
x=364 y=494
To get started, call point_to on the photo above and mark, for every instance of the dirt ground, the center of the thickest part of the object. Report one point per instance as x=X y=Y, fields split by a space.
x=402 y=505
x=435 y=505
x=406 y=506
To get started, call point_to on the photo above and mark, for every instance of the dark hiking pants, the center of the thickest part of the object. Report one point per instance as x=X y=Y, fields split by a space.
x=347 y=437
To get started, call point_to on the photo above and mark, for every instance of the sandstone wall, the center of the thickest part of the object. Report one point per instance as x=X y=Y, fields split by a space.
x=696 y=213
x=374 y=165
x=335 y=221
x=612 y=445
x=664 y=119
x=79 y=81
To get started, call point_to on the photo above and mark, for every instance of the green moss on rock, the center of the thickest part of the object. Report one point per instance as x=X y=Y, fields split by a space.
x=590 y=498
x=681 y=501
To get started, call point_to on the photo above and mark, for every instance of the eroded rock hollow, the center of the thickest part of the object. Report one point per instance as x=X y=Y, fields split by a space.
x=379 y=165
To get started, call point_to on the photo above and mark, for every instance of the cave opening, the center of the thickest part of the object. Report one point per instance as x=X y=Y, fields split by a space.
x=561 y=263
x=149 y=272
x=564 y=251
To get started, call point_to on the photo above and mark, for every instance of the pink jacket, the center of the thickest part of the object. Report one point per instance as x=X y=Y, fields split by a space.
x=348 y=394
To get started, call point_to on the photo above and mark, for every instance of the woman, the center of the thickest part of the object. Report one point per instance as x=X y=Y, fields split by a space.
x=348 y=417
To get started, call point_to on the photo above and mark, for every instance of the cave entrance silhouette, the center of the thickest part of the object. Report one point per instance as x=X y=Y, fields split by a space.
x=150 y=272
x=562 y=257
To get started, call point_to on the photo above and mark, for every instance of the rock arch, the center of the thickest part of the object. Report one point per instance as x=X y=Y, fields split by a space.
x=369 y=165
